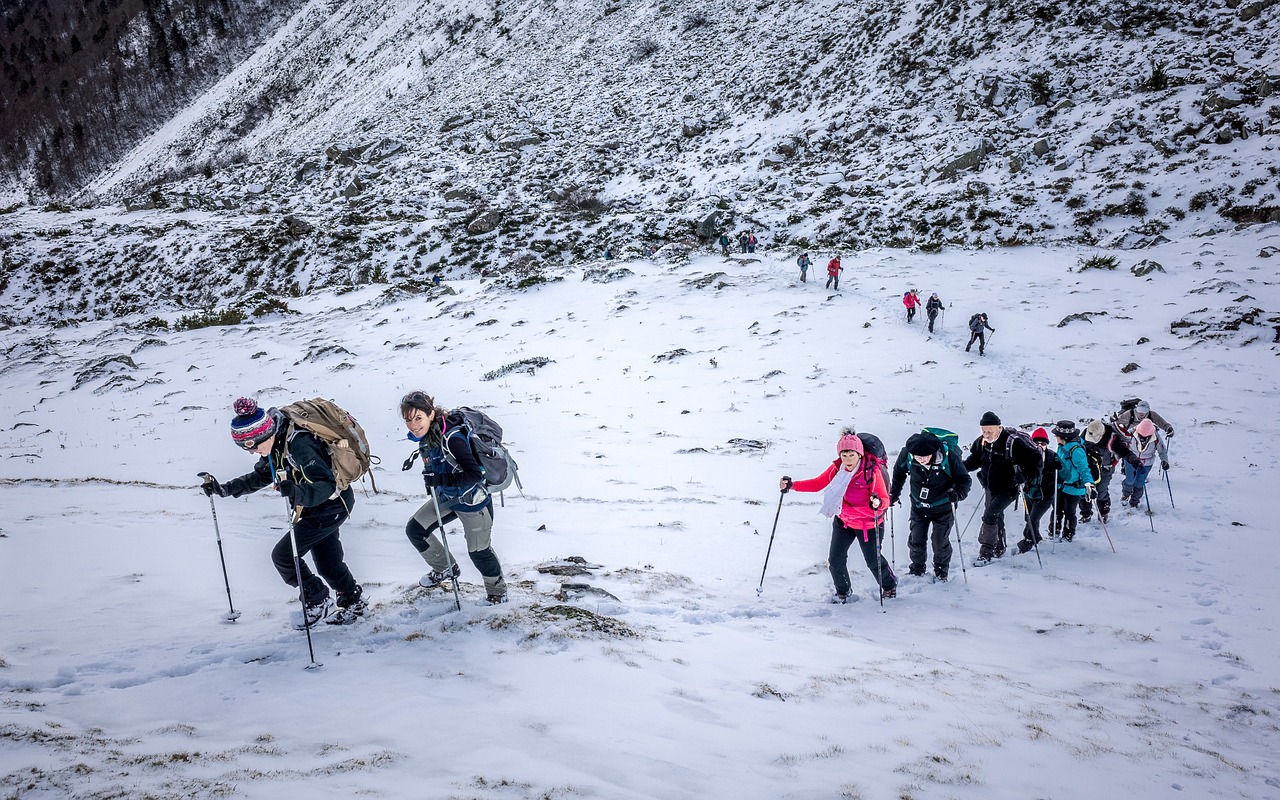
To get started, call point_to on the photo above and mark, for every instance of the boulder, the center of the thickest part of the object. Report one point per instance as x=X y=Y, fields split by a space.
x=517 y=141
x=692 y=127
x=1040 y=148
x=1145 y=267
x=485 y=222
x=455 y=122
x=966 y=161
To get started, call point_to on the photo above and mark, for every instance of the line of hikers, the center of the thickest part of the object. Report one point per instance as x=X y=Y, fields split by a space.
x=859 y=491
x=307 y=471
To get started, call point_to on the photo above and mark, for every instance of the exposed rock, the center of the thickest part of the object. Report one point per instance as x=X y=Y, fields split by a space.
x=693 y=127
x=347 y=156
x=671 y=355
x=485 y=222
x=605 y=274
x=353 y=188
x=455 y=122
x=969 y=160
x=296 y=227
x=517 y=141
x=115 y=366
x=461 y=193
x=1145 y=267
x=1041 y=148
x=709 y=227
x=1083 y=316
x=1251 y=215
x=1130 y=367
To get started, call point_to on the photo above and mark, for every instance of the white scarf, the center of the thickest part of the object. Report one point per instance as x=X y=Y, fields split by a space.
x=833 y=495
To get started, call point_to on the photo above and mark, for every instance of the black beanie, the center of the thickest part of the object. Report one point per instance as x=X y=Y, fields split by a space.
x=989 y=418
x=923 y=444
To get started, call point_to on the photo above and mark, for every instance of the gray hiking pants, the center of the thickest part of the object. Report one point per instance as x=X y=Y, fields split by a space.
x=477 y=528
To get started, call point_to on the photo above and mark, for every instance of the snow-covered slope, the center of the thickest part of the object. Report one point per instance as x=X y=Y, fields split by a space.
x=673 y=395
x=390 y=141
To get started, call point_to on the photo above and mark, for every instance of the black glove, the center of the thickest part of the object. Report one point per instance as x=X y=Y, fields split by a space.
x=286 y=488
x=786 y=483
x=894 y=497
x=1134 y=461
x=431 y=480
x=212 y=487
x=1164 y=465
x=1090 y=492
x=1169 y=433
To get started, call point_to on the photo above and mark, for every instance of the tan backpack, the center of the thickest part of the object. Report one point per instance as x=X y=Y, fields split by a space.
x=349 y=451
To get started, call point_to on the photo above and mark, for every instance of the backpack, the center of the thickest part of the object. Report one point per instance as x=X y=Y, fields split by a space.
x=1064 y=460
x=874 y=455
x=975 y=323
x=485 y=438
x=950 y=444
x=1130 y=404
x=1025 y=438
x=1094 y=457
x=349 y=452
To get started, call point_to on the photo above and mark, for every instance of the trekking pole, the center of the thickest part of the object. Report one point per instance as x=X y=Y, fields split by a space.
x=232 y=615
x=893 y=542
x=1035 y=534
x=1108 y=533
x=955 y=521
x=1053 y=523
x=760 y=588
x=1168 y=484
x=879 y=563
x=967 y=524
x=1147 y=496
x=448 y=555
x=293 y=516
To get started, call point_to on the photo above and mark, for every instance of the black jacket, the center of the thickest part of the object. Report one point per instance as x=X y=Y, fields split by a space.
x=944 y=480
x=1001 y=471
x=1110 y=443
x=308 y=481
x=1048 y=483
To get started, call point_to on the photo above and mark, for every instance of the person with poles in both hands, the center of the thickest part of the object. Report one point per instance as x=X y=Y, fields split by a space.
x=455 y=481
x=977 y=333
x=1107 y=447
x=931 y=308
x=856 y=499
x=1005 y=458
x=1039 y=494
x=1148 y=442
x=912 y=301
x=1075 y=481
x=297 y=463
x=939 y=482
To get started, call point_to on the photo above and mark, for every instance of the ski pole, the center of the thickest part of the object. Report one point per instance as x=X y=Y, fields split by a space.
x=1053 y=523
x=1166 y=475
x=232 y=615
x=1035 y=534
x=297 y=569
x=760 y=588
x=967 y=524
x=893 y=542
x=448 y=555
x=1147 y=496
x=1104 y=530
x=955 y=521
x=880 y=563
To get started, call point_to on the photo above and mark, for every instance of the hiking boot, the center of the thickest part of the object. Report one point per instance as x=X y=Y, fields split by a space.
x=313 y=613
x=1025 y=546
x=940 y=575
x=434 y=578
x=916 y=571
x=889 y=593
x=351 y=606
x=1086 y=517
x=497 y=599
x=840 y=598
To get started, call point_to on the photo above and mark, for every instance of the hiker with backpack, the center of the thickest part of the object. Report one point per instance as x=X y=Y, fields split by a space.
x=833 y=273
x=456 y=481
x=1149 y=444
x=1075 y=481
x=978 y=328
x=804 y=263
x=939 y=482
x=931 y=308
x=1105 y=447
x=1135 y=411
x=724 y=244
x=1005 y=458
x=298 y=464
x=752 y=241
x=1039 y=495
x=912 y=301
x=856 y=499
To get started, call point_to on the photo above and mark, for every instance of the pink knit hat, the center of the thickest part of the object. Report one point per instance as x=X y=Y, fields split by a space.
x=849 y=441
x=1145 y=428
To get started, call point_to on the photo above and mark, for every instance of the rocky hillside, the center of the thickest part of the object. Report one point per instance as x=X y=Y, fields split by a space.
x=375 y=141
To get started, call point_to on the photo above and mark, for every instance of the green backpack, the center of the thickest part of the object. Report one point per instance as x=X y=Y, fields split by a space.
x=950 y=444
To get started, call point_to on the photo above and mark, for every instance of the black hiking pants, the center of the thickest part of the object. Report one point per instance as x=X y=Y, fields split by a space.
x=842 y=538
x=939 y=519
x=1036 y=509
x=317 y=534
x=979 y=337
x=991 y=536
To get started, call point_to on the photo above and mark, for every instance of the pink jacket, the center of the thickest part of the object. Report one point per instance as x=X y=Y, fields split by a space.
x=910 y=300
x=855 y=509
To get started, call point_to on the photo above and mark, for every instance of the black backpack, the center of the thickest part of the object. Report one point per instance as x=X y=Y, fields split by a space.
x=485 y=438
x=975 y=323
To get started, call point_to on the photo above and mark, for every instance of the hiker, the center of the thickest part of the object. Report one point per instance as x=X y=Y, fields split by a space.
x=1038 y=495
x=724 y=244
x=855 y=498
x=833 y=273
x=931 y=308
x=804 y=263
x=1004 y=458
x=742 y=241
x=297 y=463
x=455 y=479
x=939 y=482
x=911 y=300
x=1135 y=411
x=1149 y=442
x=1074 y=478
x=1105 y=447
x=751 y=242
x=977 y=333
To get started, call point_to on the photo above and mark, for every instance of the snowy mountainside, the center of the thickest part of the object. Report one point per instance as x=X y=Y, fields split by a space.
x=371 y=141
x=652 y=405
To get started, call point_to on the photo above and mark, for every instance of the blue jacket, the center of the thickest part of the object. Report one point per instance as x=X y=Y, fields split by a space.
x=463 y=487
x=1074 y=472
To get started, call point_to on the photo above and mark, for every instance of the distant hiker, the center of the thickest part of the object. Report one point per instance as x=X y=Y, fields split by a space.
x=804 y=263
x=455 y=478
x=856 y=499
x=1075 y=481
x=608 y=254
x=751 y=242
x=1105 y=447
x=1005 y=458
x=939 y=481
x=1134 y=411
x=742 y=240
x=1149 y=443
x=911 y=300
x=833 y=273
x=297 y=463
x=931 y=308
x=1039 y=495
x=977 y=333
x=724 y=243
